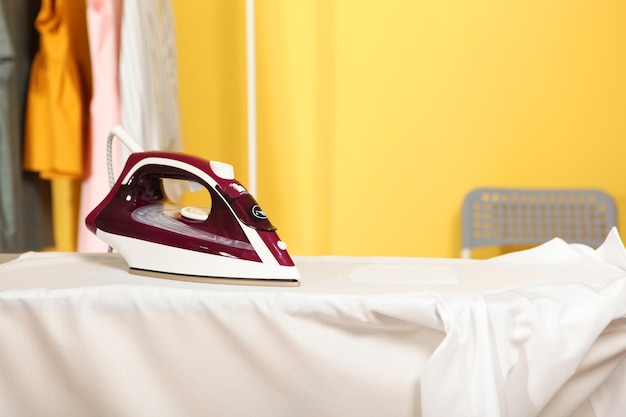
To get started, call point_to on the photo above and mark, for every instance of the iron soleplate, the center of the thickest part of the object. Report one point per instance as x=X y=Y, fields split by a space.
x=218 y=280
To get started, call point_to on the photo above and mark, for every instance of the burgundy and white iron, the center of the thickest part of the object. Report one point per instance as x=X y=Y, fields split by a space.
x=232 y=241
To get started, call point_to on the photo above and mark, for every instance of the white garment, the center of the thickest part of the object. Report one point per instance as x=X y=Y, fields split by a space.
x=149 y=75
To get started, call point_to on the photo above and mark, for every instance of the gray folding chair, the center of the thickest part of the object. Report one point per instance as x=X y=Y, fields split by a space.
x=509 y=217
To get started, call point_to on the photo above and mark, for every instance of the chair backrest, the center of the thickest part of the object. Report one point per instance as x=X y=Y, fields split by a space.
x=502 y=217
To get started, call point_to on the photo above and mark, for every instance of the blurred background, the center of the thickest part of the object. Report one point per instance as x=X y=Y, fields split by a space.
x=376 y=118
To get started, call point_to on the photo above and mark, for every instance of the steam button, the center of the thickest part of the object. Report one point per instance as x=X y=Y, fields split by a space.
x=223 y=170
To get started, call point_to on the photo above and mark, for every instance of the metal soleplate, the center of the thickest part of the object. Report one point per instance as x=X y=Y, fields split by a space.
x=218 y=280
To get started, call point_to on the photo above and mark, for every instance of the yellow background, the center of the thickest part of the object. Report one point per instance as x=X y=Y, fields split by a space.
x=376 y=118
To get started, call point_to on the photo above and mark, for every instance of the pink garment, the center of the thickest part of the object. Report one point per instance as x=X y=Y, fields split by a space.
x=104 y=26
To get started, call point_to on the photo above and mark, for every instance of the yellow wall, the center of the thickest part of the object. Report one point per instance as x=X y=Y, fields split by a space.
x=375 y=118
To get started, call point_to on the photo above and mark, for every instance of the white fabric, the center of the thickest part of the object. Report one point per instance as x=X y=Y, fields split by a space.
x=149 y=75
x=530 y=334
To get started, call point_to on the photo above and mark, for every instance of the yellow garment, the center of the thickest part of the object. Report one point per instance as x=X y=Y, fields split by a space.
x=57 y=108
x=65 y=203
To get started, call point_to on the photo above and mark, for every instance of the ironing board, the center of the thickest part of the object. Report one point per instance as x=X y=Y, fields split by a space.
x=536 y=333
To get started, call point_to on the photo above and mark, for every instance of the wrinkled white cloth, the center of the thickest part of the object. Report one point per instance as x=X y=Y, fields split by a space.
x=514 y=350
x=534 y=333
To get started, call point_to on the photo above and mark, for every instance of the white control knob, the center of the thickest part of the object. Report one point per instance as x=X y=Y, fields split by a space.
x=195 y=213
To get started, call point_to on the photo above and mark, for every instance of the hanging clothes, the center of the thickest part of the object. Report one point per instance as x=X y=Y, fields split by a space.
x=56 y=114
x=135 y=76
x=149 y=75
x=25 y=222
x=104 y=26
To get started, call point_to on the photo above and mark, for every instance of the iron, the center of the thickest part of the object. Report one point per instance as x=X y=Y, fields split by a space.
x=231 y=241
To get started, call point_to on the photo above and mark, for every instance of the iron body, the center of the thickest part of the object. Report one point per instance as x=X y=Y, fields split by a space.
x=232 y=239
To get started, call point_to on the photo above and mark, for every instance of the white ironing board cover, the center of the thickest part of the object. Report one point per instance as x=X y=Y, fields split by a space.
x=504 y=337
